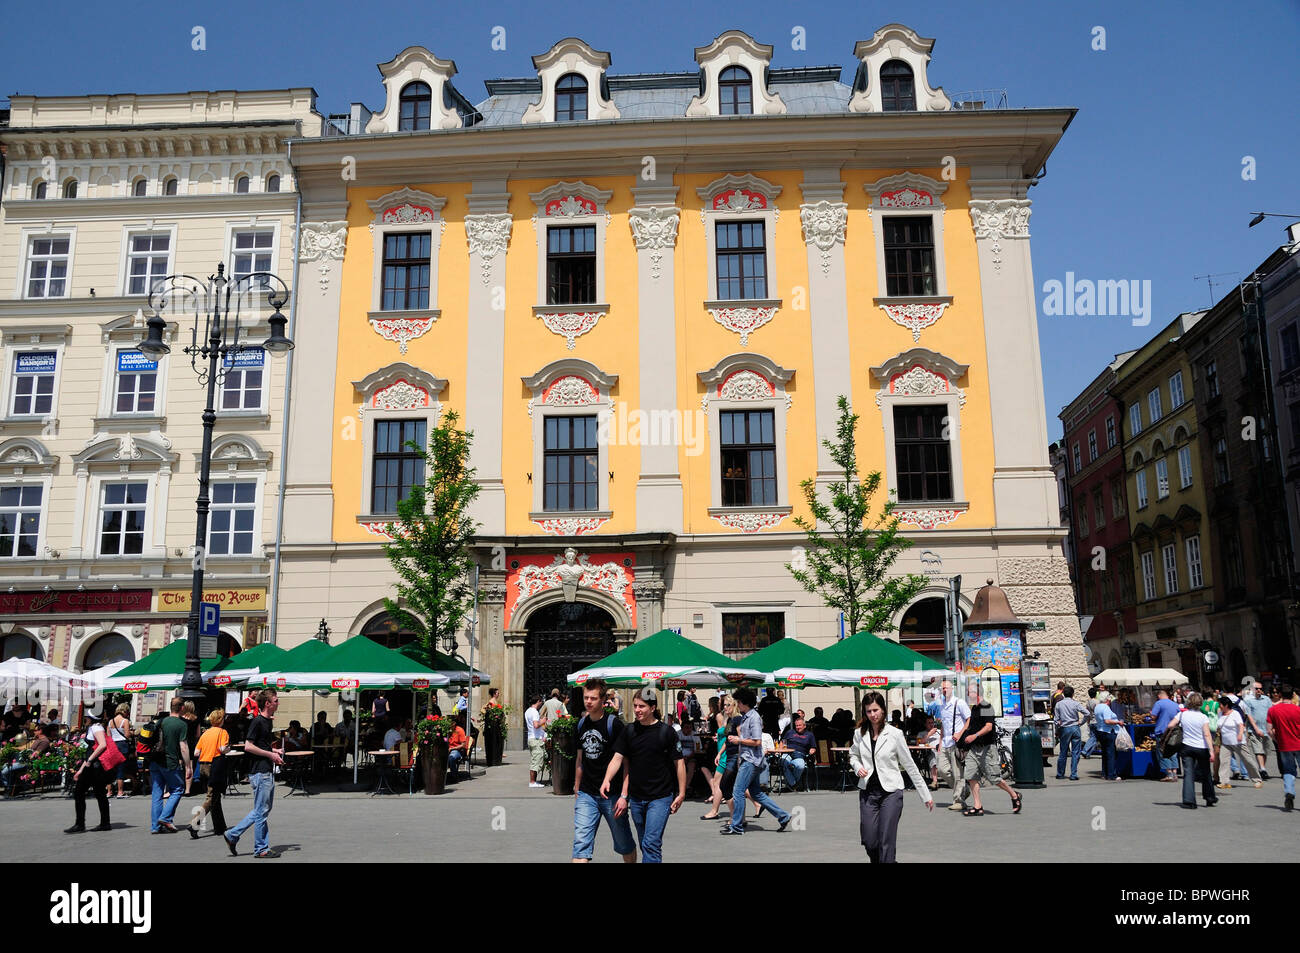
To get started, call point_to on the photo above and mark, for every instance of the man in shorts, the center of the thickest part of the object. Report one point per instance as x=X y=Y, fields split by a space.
x=597 y=735
x=977 y=737
x=536 y=741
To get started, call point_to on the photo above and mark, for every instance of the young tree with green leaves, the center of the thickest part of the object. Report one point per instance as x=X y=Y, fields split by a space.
x=431 y=538
x=847 y=561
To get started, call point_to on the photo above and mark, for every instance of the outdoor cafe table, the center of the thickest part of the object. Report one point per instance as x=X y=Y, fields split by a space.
x=296 y=769
x=776 y=768
x=232 y=771
x=384 y=769
x=843 y=759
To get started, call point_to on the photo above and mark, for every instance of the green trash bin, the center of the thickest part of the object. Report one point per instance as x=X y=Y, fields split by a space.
x=1027 y=757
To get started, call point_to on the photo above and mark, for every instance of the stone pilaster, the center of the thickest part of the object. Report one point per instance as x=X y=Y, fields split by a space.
x=487 y=229
x=654 y=220
x=649 y=595
x=490 y=650
x=1024 y=486
x=512 y=684
x=824 y=216
x=1039 y=590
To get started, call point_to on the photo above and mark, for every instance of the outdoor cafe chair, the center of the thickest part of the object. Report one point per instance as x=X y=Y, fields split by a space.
x=404 y=763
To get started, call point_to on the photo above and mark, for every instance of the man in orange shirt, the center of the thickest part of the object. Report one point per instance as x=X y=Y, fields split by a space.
x=458 y=747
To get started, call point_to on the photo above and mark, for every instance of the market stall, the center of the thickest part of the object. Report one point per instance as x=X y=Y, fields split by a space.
x=1135 y=691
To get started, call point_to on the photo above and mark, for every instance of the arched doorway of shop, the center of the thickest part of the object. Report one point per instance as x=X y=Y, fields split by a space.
x=20 y=645
x=562 y=638
x=105 y=650
x=922 y=627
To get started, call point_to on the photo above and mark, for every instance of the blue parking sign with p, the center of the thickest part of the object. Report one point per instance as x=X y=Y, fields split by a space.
x=209 y=618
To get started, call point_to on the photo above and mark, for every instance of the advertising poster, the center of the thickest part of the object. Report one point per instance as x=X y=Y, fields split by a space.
x=992 y=657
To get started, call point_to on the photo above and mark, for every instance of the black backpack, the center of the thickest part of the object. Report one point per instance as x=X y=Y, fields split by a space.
x=150 y=744
x=694 y=709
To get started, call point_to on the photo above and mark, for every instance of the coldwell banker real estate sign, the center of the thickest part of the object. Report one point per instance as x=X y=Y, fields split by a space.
x=247 y=357
x=133 y=362
x=42 y=362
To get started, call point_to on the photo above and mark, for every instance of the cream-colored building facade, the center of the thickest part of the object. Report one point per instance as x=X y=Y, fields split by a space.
x=103 y=195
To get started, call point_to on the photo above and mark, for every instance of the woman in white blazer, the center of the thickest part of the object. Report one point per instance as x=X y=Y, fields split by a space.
x=879 y=755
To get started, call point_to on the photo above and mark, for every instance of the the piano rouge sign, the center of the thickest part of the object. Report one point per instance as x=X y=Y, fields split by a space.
x=54 y=603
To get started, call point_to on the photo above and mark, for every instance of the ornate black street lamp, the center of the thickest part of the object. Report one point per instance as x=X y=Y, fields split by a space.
x=219 y=305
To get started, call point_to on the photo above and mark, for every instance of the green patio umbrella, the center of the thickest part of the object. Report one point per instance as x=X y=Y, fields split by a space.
x=163 y=669
x=866 y=660
x=456 y=671
x=673 y=659
x=258 y=659
x=789 y=663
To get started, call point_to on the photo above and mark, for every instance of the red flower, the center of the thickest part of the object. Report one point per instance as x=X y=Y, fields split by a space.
x=428 y=718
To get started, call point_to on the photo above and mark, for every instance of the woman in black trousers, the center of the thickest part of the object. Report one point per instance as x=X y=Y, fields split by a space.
x=90 y=776
x=879 y=755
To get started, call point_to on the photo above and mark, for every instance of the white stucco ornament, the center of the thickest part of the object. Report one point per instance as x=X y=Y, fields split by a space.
x=750 y=522
x=823 y=227
x=400 y=395
x=402 y=330
x=570 y=325
x=920 y=381
x=571 y=525
x=743 y=320
x=927 y=518
x=488 y=235
x=915 y=316
x=322 y=241
x=655 y=228
x=572 y=572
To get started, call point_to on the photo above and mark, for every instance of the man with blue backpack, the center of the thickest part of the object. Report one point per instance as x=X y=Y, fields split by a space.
x=596 y=734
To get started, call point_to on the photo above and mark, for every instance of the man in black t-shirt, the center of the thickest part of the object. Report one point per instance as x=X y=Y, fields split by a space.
x=978 y=737
x=261 y=757
x=653 y=754
x=597 y=735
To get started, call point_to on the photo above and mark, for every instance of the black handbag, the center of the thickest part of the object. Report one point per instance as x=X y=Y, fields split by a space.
x=1170 y=742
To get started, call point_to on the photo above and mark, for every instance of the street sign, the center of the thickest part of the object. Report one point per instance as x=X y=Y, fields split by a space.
x=209 y=629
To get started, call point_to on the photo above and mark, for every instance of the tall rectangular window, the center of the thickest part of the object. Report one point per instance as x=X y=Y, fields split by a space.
x=121 y=528
x=1117 y=496
x=1153 y=405
x=1211 y=379
x=571 y=459
x=1099 y=507
x=744 y=633
x=909 y=256
x=20 y=520
x=1127 y=592
x=1135 y=419
x=571 y=264
x=1290 y=341
x=1149 y=575
x=1162 y=479
x=1221 y=473
x=250 y=252
x=1142 y=488
x=406 y=271
x=1110 y=432
x=1185 y=466
x=397 y=466
x=1194 y=577
x=922 y=455
x=1078 y=460
x=1169 y=555
x=33 y=393
x=242 y=387
x=146 y=261
x=1092 y=445
x=1081 y=515
x=137 y=384
x=748 y=457
x=741 y=260
x=47 y=267
x=1176 y=390
x=230 y=526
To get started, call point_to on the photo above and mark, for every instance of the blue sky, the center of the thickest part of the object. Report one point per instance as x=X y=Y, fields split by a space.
x=1146 y=185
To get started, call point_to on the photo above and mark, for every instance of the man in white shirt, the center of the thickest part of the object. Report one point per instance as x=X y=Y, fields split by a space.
x=536 y=740
x=953 y=714
x=392 y=738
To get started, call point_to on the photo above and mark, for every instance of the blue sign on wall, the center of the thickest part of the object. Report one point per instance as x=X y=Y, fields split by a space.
x=252 y=357
x=133 y=362
x=39 y=362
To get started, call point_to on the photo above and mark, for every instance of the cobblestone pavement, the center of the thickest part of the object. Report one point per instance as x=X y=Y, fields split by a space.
x=496 y=816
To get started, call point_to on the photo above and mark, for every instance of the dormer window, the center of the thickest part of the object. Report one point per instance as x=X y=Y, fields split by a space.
x=897 y=87
x=241 y=185
x=416 y=107
x=38 y=190
x=735 y=92
x=140 y=187
x=70 y=189
x=273 y=183
x=169 y=186
x=571 y=98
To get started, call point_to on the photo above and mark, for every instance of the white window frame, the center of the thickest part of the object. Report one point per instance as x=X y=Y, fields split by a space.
x=11 y=354
x=157 y=372
x=1176 y=395
x=25 y=250
x=1169 y=559
x=258 y=480
x=258 y=411
x=711 y=218
x=1092 y=445
x=1196 y=578
x=253 y=225
x=130 y=232
x=554 y=396
x=1153 y=404
x=564 y=216
x=1185 y=466
x=406 y=210
x=1135 y=419
x=891 y=184
x=396 y=392
x=1162 y=478
x=11 y=475
x=100 y=486
x=1142 y=496
x=1110 y=431
x=1078 y=459
x=1149 y=574
x=108 y=400
x=785 y=607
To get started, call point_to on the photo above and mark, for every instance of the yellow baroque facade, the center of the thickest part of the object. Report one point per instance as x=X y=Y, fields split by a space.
x=644 y=295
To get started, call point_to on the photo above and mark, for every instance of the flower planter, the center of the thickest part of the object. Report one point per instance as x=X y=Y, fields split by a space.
x=563 y=765
x=494 y=743
x=433 y=768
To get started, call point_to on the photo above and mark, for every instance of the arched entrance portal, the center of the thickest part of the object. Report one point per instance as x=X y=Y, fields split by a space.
x=562 y=638
x=921 y=629
x=20 y=645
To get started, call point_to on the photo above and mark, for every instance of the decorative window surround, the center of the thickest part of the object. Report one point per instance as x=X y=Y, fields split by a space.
x=746 y=381
x=25 y=461
x=140 y=230
x=47 y=230
x=922 y=376
x=570 y=387
x=741 y=198
x=125 y=334
x=124 y=457
x=19 y=340
x=743 y=317
x=567 y=204
x=910 y=194
x=398 y=391
x=488 y=234
x=735 y=48
x=895 y=42
x=241 y=458
x=233 y=453
x=570 y=321
x=405 y=210
x=324 y=242
x=415 y=63
x=998 y=219
x=824 y=224
x=570 y=525
x=655 y=228
x=571 y=55
x=571 y=572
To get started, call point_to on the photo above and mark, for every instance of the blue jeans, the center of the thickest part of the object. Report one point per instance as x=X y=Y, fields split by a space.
x=1071 y=745
x=1167 y=765
x=1090 y=747
x=166 y=782
x=454 y=759
x=1196 y=767
x=587 y=812
x=650 y=818
x=1106 y=739
x=793 y=769
x=1289 y=762
x=747 y=781
x=263 y=793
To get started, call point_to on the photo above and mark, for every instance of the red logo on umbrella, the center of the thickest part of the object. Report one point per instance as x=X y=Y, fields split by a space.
x=280 y=683
x=581 y=679
x=136 y=686
x=651 y=675
x=873 y=681
x=221 y=680
x=420 y=683
x=344 y=683
x=675 y=683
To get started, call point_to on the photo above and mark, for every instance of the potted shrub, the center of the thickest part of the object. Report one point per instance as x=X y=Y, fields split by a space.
x=495 y=720
x=432 y=734
x=561 y=743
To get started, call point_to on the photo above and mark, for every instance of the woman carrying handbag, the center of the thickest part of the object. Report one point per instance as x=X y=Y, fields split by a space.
x=92 y=776
x=879 y=755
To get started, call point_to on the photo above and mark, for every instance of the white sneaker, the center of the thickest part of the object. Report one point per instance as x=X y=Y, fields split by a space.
x=534 y=784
